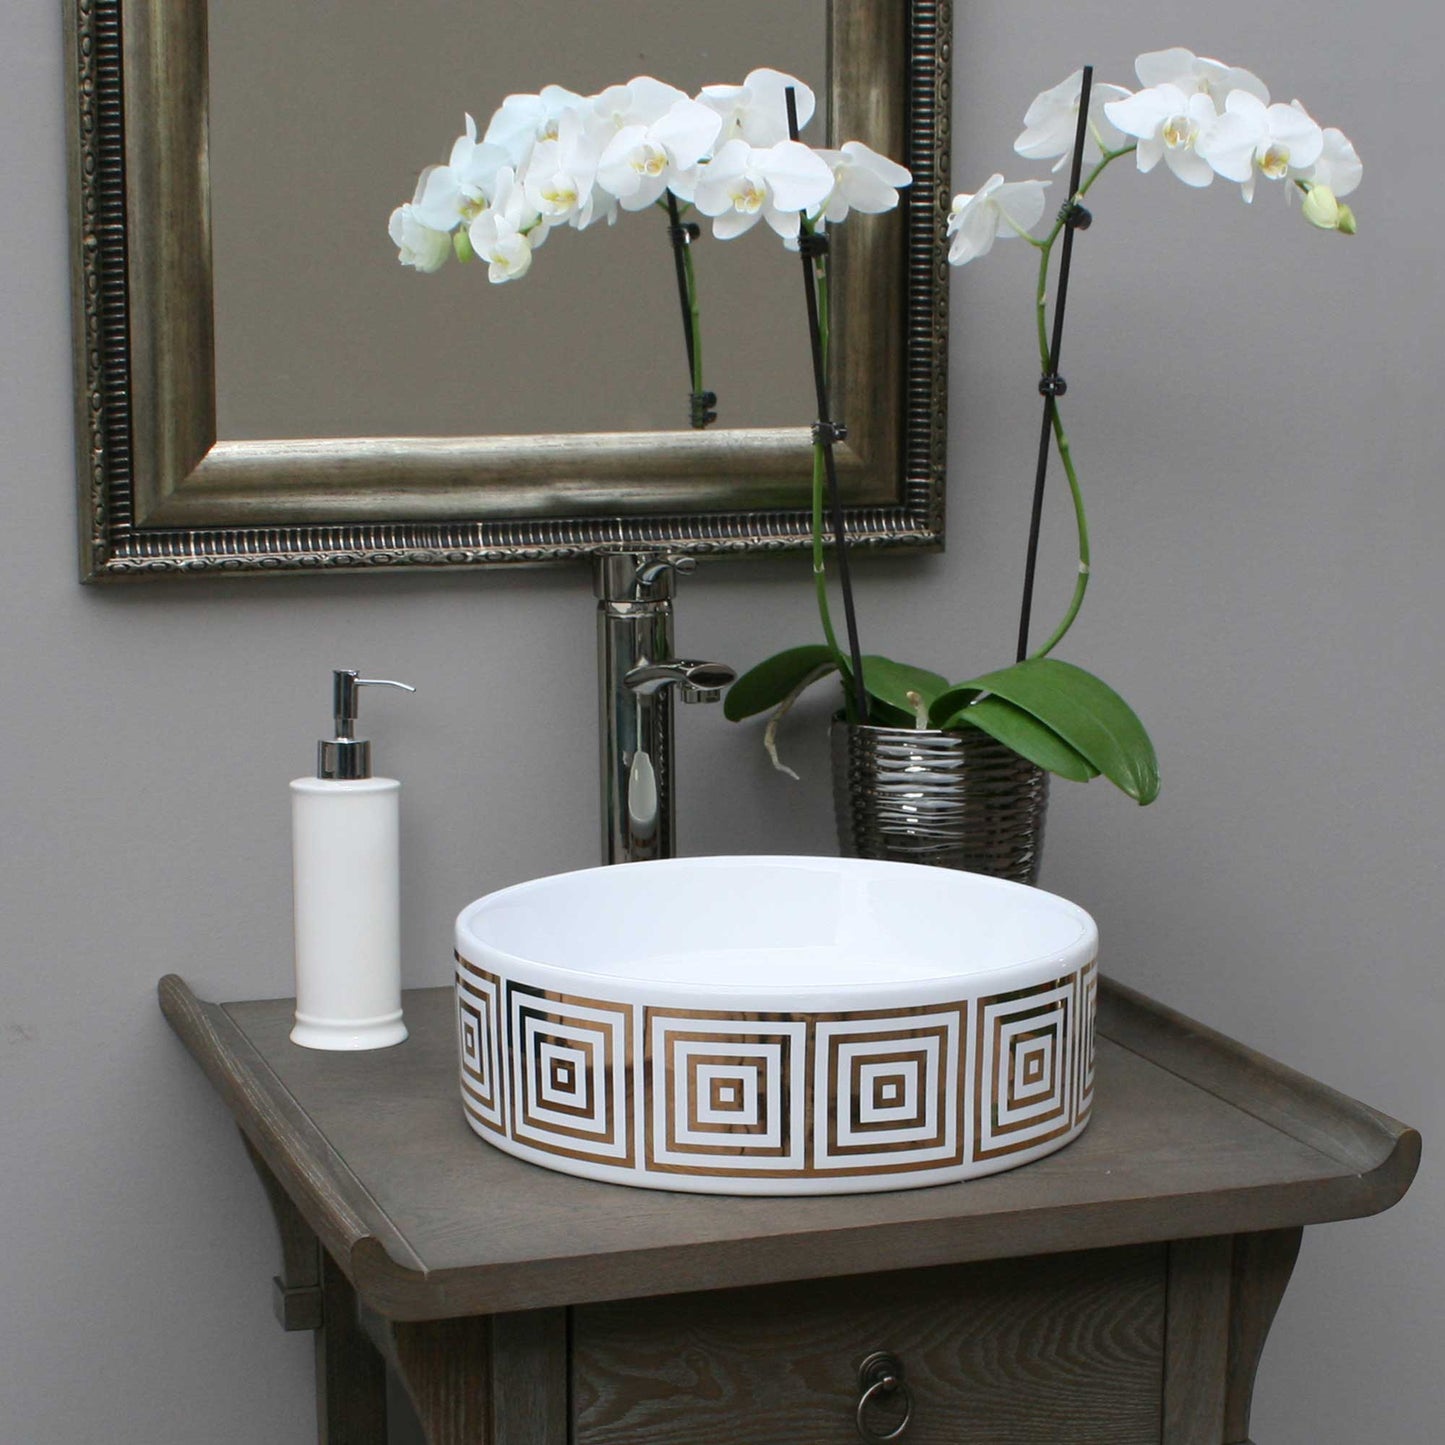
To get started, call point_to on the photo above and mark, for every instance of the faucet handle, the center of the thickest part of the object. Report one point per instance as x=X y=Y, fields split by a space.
x=632 y=576
x=658 y=567
x=697 y=681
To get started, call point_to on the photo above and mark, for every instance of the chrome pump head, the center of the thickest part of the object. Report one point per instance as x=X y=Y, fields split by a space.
x=345 y=757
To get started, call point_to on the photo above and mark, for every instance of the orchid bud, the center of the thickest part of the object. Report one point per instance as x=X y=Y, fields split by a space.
x=1324 y=209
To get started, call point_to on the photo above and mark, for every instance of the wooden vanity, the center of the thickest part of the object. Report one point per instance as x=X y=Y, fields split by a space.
x=1116 y=1293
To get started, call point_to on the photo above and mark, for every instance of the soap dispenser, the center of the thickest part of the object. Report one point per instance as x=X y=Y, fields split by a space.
x=346 y=868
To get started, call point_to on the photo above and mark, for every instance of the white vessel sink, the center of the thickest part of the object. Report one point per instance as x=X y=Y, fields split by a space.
x=776 y=1025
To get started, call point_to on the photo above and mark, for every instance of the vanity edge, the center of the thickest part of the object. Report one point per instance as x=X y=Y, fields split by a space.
x=1382 y=1158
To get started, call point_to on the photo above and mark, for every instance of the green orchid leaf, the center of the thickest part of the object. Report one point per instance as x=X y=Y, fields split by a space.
x=883 y=715
x=891 y=682
x=1027 y=736
x=1087 y=714
x=949 y=703
x=774 y=679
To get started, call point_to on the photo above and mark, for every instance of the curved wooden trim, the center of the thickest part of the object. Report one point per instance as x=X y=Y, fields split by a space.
x=328 y=1195
x=1384 y=1151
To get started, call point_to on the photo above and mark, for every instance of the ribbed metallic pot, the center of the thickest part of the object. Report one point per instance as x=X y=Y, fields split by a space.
x=955 y=800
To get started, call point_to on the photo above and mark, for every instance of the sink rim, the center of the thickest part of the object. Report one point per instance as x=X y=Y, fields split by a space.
x=915 y=988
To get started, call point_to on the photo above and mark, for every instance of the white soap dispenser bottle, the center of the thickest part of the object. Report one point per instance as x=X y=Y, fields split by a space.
x=346 y=869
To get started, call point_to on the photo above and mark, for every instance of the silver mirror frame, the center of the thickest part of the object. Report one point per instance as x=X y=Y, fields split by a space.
x=160 y=495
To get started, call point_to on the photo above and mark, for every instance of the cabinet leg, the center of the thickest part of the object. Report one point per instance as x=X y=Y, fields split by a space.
x=529 y=1378
x=445 y=1366
x=350 y=1374
x=1222 y=1297
x=498 y=1380
x=1262 y=1267
x=311 y=1293
x=1196 y=1340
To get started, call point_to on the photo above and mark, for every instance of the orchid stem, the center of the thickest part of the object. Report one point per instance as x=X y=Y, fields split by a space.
x=820 y=570
x=681 y=238
x=820 y=473
x=1054 y=423
x=1081 y=583
x=694 y=316
x=815 y=287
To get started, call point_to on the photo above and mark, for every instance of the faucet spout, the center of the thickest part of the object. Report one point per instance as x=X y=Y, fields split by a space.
x=637 y=677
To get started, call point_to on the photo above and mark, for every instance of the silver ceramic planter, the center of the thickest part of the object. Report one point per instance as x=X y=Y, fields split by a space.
x=954 y=800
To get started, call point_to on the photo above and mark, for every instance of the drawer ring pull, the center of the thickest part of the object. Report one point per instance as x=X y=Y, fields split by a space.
x=881 y=1374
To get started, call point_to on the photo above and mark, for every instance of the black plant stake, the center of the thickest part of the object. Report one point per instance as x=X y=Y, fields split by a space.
x=682 y=236
x=1051 y=384
x=811 y=245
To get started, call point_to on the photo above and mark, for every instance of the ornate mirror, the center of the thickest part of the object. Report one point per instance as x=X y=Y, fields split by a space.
x=228 y=165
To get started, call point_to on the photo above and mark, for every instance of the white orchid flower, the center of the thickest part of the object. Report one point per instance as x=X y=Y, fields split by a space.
x=1253 y=139
x=418 y=244
x=449 y=194
x=642 y=101
x=1052 y=121
x=642 y=161
x=1339 y=166
x=757 y=110
x=1168 y=123
x=507 y=232
x=744 y=184
x=505 y=248
x=522 y=120
x=559 y=178
x=863 y=181
x=973 y=222
x=1193 y=73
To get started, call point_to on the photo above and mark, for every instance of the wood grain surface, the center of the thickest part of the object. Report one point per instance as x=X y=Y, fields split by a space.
x=1191 y=1136
x=529 y=1378
x=1030 y=1352
x=1196 y=1341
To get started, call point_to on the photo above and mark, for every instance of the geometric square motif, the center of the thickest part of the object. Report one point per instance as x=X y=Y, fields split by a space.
x=1088 y=999
x=477 y=1036
x=725 y=1100
x=889 y=1075
x=571 y=1093
x=1024 y=1072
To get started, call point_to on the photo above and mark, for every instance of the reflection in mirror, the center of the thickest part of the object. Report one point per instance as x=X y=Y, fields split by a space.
x=247 y=401
x=303 y=177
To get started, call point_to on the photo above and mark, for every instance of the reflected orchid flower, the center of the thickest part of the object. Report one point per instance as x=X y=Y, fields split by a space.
x=974 y=220
x=744 y=184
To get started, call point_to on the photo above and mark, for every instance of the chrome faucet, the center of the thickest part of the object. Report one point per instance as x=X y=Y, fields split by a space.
x=637 y=676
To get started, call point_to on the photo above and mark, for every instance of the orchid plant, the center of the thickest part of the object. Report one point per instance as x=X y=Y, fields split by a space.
x=558 y=159
x=1203 y=119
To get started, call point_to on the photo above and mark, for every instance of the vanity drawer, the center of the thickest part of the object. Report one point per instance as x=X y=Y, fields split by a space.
x=1055 y=1350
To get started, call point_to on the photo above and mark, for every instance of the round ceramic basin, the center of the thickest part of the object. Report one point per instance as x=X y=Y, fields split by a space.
x=776 y=1025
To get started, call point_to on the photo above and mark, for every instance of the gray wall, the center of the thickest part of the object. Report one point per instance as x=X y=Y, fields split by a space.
x=1253 y=408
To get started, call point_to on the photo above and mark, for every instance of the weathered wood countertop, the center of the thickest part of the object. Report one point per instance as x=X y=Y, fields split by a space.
x=1192 y=1135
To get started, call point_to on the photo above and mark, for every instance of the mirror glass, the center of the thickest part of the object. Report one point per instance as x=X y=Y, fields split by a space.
x=321 y=118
